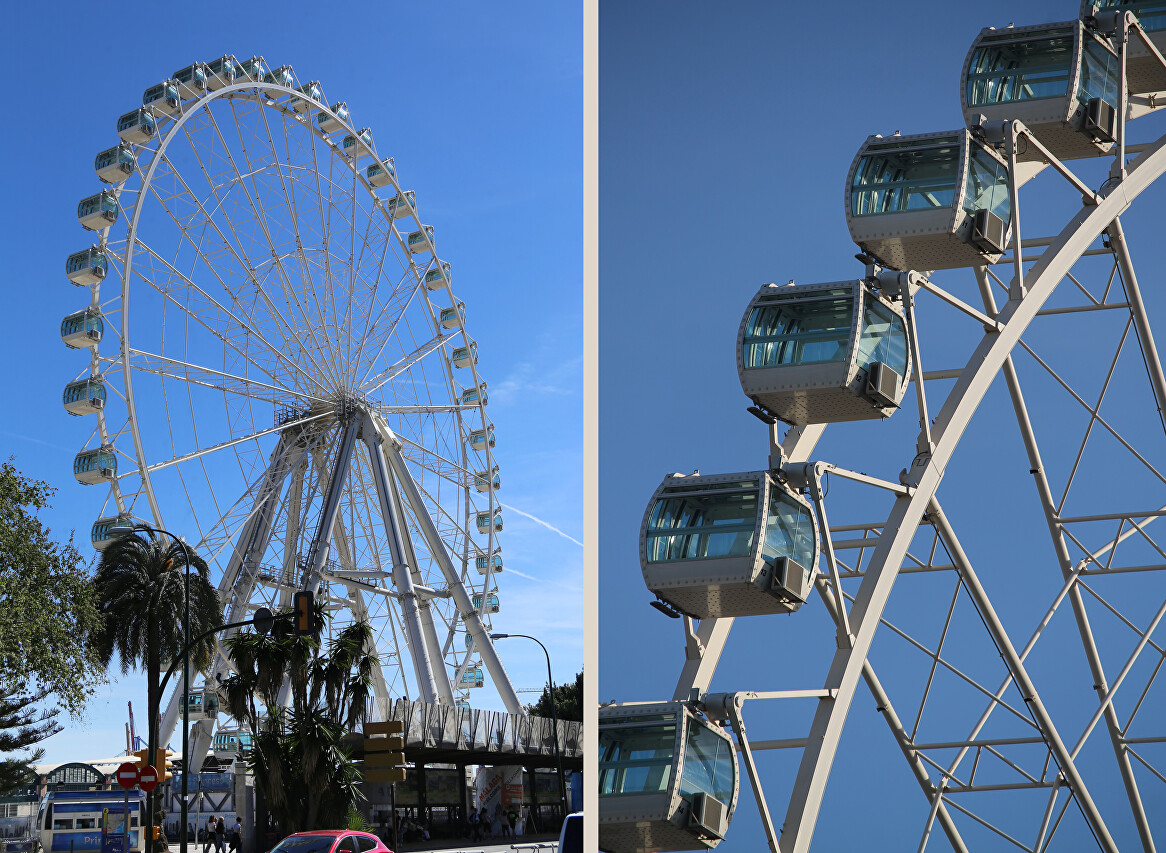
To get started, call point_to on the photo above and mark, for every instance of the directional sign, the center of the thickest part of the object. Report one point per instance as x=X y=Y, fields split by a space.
x=127 y=775
x=148 y=778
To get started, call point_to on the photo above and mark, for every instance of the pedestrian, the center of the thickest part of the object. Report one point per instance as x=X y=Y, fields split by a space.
x=475 y=825
x=237 y=835
x=221 y=835
x=512 y=819
x=208 y=834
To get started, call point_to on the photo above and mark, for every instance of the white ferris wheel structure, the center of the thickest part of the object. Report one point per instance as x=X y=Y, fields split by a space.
x=976 y=690
x=280 y=368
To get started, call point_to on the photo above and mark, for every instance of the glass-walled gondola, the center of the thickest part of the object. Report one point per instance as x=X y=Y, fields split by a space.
x=930 y=201
x=1144 y=73
x=823 y=353
x=1061 y=80
x=667 y=778
x=728 y=545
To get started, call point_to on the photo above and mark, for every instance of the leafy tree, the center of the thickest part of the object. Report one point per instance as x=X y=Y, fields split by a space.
x=48 y=602
x=301 y=766
x=568 y=701
x=22 y=725
x=139 y=589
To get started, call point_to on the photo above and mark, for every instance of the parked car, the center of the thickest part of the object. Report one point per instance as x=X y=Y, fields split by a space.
x=571 y=835
x=333 y=841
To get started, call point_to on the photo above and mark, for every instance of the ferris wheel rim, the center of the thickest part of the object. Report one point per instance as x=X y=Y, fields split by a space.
x=986 y=361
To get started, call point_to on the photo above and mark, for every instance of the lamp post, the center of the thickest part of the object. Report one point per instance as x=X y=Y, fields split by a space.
x=554 y=716
x=153 y=727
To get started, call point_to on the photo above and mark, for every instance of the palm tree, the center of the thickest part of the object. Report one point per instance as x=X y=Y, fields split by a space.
x=300 y=763
x=139 y=591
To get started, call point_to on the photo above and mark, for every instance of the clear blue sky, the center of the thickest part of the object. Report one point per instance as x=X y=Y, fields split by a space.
x=481 y=108
x=726 y=134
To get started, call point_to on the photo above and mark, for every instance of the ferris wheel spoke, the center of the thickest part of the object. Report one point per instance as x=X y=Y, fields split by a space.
x=405 y=363
x=248 y=328
x=196 y=374
x=288 y=336
x=261 y=224
x=405 y=287
x=158 y=466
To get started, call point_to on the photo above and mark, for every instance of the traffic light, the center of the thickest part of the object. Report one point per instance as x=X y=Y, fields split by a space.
x=384 y=756
x=304 y=606
x=162 y=764
x=143 y=757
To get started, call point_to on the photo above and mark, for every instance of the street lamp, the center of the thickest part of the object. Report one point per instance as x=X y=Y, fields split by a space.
x=124 y=527
x=554 y=716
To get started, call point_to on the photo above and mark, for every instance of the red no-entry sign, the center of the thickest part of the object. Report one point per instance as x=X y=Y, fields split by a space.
x=127 y=775
x=148 y=778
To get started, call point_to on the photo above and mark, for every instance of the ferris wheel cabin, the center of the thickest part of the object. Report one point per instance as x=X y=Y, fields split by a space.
x=95 y=466
x=379 y=174
x=484 y=521
x=419 y=241
x=481 y=438
x=437 y=278
x=483 y=481
x=97 y=211
x=163 y=99
x=89 y=266
x=472 y=677
x=492 y=602
x=310 y=92
x=106 y=531
x=230 y=743
x=475 y=396
x=114 y=165
x=83 y=397
x=137 y=126
x=222 y=72
x=823 y=353
x=465 y=356
x=728 y=545
x=191 y=81
x=202 y=704
x=251 y=70
x=493 y=562
x=330 y=122
x=1061 y=80
x=402 y=205
x=453 y=317
x=667 y=778
x=931 y=201
x=358 y=145
x=1144 y=73
x=282 y=76
x=82 y=329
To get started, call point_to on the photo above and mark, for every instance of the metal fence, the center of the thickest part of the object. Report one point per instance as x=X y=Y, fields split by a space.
x=447 y=727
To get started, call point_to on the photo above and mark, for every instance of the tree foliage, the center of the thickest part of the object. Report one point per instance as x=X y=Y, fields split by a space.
x=48 y=603
x=304 y=771
x=140 y=592
x=568 y=701
x=22 y=725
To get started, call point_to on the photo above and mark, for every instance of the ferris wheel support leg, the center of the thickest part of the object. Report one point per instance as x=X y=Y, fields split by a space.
x=891 y=716
x=469 y=613
x=1129 y=278
x=257 y=528
x=1020 y=674
x=1092 y=655
x=423 y=664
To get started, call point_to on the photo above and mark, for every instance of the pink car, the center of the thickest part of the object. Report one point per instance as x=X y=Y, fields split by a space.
x=331 y=841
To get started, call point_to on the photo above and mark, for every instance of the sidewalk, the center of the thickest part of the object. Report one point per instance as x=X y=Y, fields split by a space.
x=448 y=845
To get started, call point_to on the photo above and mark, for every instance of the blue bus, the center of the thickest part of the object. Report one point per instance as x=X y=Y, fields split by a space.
x=72 y=821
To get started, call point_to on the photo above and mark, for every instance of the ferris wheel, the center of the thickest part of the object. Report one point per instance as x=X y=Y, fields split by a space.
x=954 y=297
x=279 y=365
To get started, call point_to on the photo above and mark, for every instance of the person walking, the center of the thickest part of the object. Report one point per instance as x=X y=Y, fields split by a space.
x=221 y=835
x=512 y=819
x=237 y=835
x=208 y=839
x=475 y=825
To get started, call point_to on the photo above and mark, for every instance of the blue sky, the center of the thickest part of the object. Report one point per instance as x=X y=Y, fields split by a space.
x=481 y=109
x=726 y=134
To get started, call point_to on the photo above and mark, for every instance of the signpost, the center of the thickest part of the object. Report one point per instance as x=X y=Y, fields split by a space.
x=127 y=776
x=148 y=778
x=384 y=760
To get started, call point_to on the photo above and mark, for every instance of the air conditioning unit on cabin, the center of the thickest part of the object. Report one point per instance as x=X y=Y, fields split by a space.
x=882 y=384
x=988 y=233
x=1100 y=120
x=791 y=579
x=708 y=814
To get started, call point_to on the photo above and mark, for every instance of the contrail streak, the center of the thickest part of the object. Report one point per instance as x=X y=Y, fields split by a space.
x=543 y=523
